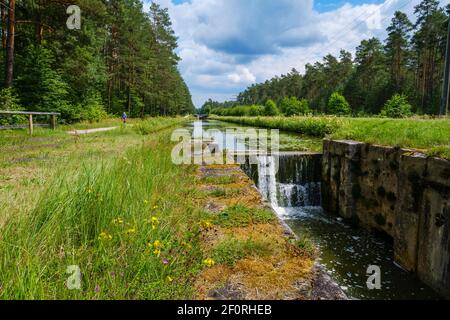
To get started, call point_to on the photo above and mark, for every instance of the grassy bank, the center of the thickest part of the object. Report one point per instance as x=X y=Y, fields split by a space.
x=101 y=202
x=28 y=164
x=251 y=254
x=429 y=136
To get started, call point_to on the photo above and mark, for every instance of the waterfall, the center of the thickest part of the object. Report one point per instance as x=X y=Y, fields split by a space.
x=267 y=178
x=290 y=183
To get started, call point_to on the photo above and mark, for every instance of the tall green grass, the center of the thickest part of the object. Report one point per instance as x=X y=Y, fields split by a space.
x=157 y=124
x=99 y=217
x=312 y=126
x=432 y=136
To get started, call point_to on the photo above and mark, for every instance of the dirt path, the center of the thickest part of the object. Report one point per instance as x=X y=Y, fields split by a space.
x=80 y=132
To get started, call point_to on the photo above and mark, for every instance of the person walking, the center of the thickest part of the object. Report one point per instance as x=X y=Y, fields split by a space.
x=124 y=118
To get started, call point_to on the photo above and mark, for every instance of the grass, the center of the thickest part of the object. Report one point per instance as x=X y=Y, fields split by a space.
x=311 y=126
x=239 y=216
x=110 y=204
x=28 y=164
x=431 y=136
x=149 y=127
x=250 y=254
x=220 y=193
x=115 y=205
x=221 y=180
x=305 y=244
x=231 y=250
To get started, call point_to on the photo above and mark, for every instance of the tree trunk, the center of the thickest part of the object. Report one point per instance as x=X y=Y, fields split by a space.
x=10 y=44
x=3 y=17
x=38 y=24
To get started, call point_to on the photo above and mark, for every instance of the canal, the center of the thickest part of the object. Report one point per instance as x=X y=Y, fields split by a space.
x=294 y=192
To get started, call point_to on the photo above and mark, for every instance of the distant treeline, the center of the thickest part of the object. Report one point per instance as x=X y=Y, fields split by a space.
x=408 y=64
x=121 y=60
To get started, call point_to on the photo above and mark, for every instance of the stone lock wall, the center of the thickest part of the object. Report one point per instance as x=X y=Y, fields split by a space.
x=402 y=193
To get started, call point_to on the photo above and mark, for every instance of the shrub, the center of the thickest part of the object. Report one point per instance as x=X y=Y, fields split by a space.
x=338 y=105
x=271 y=109
x=256 y=111
x=397 y=107
x=92 y=108
x=41 y=86
x=294 y=107
x=9 y=101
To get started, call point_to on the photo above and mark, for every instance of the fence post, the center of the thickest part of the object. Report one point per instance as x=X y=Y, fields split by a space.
x=30 y=124
x=53 y=124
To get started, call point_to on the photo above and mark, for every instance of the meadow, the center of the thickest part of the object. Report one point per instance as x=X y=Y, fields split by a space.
x=431 y=136
x=112 y=203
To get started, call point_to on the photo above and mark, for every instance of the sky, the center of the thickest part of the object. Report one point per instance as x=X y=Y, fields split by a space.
x=227 y=45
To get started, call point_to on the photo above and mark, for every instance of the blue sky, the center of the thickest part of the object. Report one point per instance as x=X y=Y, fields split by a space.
x=320 y=5
x=227 y=45
x=327 y=5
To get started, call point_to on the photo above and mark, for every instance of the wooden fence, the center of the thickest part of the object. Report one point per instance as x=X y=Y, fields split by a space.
x=30 y=115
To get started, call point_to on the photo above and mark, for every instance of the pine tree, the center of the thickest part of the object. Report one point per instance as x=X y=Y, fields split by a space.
x=122 y=58
x=429 y=54
x=398 y=50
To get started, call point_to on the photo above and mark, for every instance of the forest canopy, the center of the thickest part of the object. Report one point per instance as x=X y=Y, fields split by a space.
x=121 y=60
x=408 y=63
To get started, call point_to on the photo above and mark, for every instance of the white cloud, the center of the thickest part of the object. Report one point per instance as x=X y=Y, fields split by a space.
x=226 y=45
x=243 y=75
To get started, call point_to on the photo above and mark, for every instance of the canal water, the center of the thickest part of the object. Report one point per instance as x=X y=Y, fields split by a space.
x=346 y=252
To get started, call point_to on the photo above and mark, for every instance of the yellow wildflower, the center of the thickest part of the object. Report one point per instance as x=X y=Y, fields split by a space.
x=117 y=221
x=104 y=236
x=157 y=245
x=131 y=231
x=169 y=278
x=157 y=252
x=209 y=262
x=154 y=221
x=205 y=224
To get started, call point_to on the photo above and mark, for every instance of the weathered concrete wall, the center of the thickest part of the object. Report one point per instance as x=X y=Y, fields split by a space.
x=400 y=192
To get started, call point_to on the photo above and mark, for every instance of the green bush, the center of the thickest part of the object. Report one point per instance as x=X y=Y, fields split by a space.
x=338 y=105
x=256 y=111
x=271 y=109
x=91 y=108
x=294 y=107
x=238 y=111
x=41 y=86
x=397 y=107
x=9 y=101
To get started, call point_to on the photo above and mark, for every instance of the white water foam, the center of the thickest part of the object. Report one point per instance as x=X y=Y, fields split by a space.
x=288 y=200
